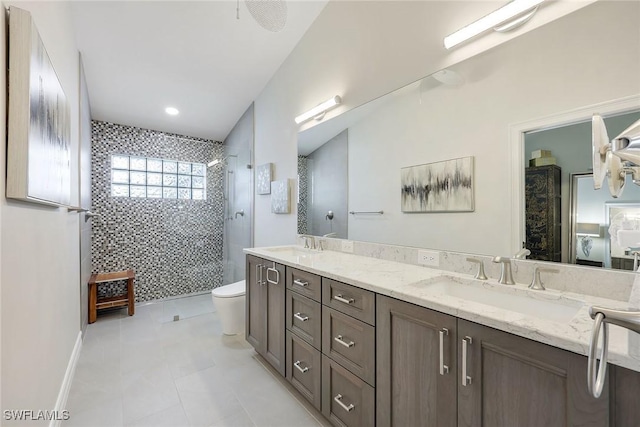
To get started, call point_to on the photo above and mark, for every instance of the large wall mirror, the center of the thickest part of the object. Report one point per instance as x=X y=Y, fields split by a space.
x=471 y=110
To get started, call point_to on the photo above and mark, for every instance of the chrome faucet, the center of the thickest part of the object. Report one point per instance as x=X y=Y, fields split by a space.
x=536 y=283
x=308 y=238
x=522 y=254
x=506 y=278
x=480 y=274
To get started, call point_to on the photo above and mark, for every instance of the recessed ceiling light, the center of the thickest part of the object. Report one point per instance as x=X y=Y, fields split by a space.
x=171 y=111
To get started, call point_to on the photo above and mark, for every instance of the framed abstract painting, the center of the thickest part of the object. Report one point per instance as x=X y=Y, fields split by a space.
x=39 y=145
x=445 y=186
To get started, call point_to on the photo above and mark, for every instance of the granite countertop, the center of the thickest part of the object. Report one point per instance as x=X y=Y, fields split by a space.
x=565 y=322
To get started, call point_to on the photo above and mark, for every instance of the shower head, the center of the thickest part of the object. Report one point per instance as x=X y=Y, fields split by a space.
x=223 y=160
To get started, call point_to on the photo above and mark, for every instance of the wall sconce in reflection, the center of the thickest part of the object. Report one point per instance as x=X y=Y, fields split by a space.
x=508 y=17
x=587 y=231
x=319 y=111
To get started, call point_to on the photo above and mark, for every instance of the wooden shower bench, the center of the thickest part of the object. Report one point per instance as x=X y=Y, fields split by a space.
x=127 y=299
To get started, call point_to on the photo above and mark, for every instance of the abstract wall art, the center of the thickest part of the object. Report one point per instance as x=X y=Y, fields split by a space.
x=280 y=197
x=445 y=186
x=263 y=178
x=39 y=146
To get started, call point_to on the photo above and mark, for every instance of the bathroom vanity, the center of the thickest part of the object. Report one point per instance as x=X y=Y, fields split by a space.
x=369 y=341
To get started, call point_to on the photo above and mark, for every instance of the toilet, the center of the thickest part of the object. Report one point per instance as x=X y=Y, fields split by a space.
x=229 y=302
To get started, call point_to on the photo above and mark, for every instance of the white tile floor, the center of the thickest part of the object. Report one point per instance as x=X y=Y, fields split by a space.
x=147 y=370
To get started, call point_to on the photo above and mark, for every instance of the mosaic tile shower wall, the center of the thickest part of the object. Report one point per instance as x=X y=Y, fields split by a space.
x=303 y=180
x=174 y=246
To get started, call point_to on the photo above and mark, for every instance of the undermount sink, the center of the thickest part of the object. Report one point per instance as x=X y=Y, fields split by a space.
x=294 y=251
x=530 y=303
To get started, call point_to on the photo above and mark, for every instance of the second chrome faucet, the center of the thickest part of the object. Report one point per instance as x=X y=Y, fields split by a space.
x=506 y=277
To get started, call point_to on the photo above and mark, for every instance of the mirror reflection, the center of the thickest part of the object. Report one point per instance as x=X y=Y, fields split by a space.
x=559 y=190
x=560 y=67
x=322 y=188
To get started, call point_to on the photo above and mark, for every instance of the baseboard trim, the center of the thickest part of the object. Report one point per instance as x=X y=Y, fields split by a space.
x=63 y=395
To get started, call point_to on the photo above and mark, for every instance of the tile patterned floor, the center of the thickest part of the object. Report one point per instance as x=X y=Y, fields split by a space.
x=148 y=370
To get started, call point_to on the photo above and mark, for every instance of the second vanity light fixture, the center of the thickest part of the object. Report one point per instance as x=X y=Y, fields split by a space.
x=319 y=110
x=522 y=10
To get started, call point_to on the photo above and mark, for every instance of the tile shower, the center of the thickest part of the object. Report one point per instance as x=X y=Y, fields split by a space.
x=175 y=246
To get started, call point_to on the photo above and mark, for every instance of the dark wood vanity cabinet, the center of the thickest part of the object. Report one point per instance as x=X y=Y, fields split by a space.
x=542 y=212
x=415 y=385
x=265 y=310
x=304 y=338
x=365 y=359
x=513 y=381
x=624 y=407
x=499 y=379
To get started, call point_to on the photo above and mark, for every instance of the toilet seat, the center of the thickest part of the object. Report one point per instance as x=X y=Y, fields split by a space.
x=229 y=291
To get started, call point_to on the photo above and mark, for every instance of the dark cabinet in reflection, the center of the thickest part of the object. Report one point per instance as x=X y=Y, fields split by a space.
x=542 y=207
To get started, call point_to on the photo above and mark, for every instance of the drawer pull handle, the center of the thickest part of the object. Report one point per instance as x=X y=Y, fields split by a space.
x=301 y=283
x=303 y=370
x=339 y=340
x=444 y=369
x=259 y=268
x=301 y=317
x=338 y=400
x=340 y=298
x=466 y=379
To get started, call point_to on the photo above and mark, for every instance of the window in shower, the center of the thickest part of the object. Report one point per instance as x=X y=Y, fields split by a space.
x=142 y=177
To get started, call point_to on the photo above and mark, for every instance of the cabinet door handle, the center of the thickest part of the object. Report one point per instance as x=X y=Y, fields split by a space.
x=338 y=400
x=444 y=369
x=342 y=299
x=339 y=340
x=300 y=283
x=273 y=270
x=301 y=317
x=259 y=274
x=466 y=379
x=303 y=370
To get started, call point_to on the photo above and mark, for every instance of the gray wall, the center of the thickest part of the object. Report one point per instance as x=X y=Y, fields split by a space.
x=571 y=146
x=327 y=187
x=174 y=246
x=238 y=229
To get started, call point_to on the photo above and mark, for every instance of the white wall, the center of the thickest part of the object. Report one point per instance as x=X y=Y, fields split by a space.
x=359 y=50
x=39 y=250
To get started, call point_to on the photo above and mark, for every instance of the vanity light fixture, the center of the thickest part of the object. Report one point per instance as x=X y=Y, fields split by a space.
x=172 y=111
x=522 y=10
x=319 y=110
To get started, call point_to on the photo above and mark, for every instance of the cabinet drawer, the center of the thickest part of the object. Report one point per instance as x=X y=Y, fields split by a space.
x=346 y=399
x=304 y=317
x=355 y=302
x=304 y=369
x=350 y=342
x=307 y=284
